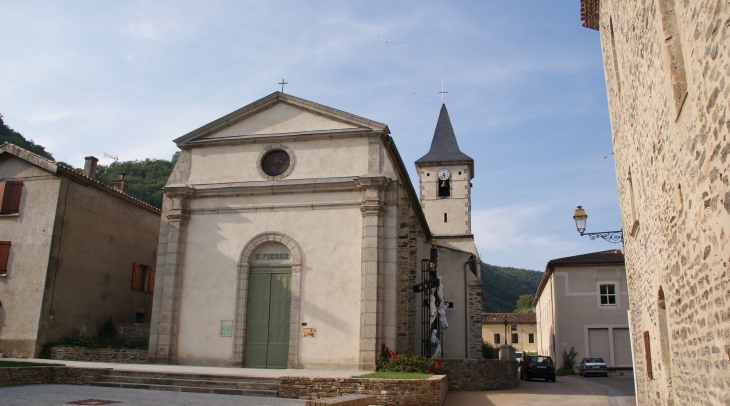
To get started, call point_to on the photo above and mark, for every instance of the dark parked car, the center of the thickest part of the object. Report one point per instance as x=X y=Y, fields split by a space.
x=593 y=366
x=537 y=366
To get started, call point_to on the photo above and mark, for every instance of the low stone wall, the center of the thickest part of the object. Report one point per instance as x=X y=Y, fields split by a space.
x=17 y=376
x=391 y=392
x=480 y=374
x=123 y=356
x=133 y=330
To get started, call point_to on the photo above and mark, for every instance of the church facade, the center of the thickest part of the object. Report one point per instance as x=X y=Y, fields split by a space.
x=292 y=237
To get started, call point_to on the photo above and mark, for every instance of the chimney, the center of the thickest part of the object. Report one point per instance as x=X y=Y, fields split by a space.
x=90 y=166
x=120 y=184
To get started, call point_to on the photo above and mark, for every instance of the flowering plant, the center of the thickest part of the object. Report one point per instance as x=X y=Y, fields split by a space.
x=389 y=361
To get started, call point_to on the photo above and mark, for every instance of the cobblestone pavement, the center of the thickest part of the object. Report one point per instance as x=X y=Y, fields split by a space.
x=47 y=395
x=567 y=391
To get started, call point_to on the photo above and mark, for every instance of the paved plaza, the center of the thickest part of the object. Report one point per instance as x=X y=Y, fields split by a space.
x=47 y=395
x=567 y=391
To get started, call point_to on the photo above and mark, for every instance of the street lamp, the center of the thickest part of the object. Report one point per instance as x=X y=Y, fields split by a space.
x=581 y=218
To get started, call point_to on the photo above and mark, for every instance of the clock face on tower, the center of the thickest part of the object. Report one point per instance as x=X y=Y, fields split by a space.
x=444 y=174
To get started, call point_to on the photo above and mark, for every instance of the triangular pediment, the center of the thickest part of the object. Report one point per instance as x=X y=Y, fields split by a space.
x=276 y=115
x=279 y=119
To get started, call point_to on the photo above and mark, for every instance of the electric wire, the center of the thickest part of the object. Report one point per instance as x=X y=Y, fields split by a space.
x=551 y=184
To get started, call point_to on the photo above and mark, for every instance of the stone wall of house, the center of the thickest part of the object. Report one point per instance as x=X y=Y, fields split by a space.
x=49 y=375
x=391 y=392
x=480 y=374
x=119 y=355
x=667 y=65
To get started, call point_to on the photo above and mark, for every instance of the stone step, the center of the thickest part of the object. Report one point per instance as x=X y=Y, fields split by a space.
x=177 y=375
x=213 y=382
x=193 y=389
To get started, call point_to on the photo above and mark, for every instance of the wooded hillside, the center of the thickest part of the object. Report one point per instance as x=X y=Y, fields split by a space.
x=502 y=286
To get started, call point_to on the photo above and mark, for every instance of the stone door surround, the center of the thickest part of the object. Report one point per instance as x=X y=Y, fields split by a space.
x=244 y=265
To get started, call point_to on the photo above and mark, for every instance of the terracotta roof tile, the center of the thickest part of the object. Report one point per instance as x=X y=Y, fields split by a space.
x=590 y=13
x=512 y=318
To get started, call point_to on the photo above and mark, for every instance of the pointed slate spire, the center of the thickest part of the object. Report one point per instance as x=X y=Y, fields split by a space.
x=444 y=147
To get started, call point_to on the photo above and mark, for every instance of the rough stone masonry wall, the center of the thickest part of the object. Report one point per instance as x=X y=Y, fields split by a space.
x=120 y=355
x=49 y=375
x=480 y=374
x=133 y=330
x=667 y=65
x=391 y=392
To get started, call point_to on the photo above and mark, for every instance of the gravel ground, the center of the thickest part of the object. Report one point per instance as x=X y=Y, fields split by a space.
x=46 y=395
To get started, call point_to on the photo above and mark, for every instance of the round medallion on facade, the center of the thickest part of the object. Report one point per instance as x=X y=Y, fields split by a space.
x=275 y=162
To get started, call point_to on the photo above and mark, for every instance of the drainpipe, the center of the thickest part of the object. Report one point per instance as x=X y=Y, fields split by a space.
x=466 y=304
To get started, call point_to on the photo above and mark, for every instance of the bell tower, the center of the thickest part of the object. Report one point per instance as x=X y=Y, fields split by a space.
x=445 y=175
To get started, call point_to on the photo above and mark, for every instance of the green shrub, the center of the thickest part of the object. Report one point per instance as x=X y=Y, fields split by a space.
x=390 y=362
x=569 y=359
x=107 y=329
x=563 y=372
x=488 y=351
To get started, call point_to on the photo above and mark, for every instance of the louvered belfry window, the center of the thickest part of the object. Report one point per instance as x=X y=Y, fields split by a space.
x=10 y=191
x=4 y=255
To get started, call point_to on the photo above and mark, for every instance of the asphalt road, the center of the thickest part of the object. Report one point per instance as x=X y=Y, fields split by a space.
x=567 y=391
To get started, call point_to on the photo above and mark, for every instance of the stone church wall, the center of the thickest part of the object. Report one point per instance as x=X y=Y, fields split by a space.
x=667 y=65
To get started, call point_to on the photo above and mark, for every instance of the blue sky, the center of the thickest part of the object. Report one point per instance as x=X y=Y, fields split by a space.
x=526 y=90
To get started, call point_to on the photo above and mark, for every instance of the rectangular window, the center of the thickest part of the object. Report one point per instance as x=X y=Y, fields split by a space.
x=10 y=192
x=608 y=295
x=139 y=318
x=143 y=278
x=531 y=338
x=445 y=218
x=4 y=255
x=496 y=339
x=647 y=354
x=514 y=327
x=515 y=338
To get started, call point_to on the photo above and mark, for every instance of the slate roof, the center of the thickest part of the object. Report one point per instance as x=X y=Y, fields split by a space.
x=601 y=257
x=512 y=318
x=444 y=147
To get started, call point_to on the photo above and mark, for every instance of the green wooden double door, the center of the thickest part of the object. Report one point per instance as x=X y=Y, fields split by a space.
x=267 y=317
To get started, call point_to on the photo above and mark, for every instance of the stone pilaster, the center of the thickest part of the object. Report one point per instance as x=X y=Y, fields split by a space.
x=168 y=292
x=372 y=208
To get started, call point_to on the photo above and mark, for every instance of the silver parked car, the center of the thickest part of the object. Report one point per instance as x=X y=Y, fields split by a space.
x=593 y=366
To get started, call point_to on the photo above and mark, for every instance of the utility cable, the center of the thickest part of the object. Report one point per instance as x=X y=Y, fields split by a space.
x=556 y=182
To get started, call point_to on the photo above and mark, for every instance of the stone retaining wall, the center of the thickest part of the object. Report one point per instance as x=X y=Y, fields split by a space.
x=133 y=330
x=123 y=356
x=391 y=392
x=49 y=375
x=480 y=374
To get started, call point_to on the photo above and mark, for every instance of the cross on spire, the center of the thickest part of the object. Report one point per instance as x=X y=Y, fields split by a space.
x=282 y=83
x=442 y=91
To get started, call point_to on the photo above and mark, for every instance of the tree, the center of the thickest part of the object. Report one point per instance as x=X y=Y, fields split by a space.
x=145 y=178
x=7 y=134
x=524 y=304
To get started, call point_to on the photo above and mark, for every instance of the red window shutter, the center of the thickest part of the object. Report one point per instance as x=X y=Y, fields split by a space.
x=152 y=280
x=136 y=271
x=647 y=354
x=11 y=196
x=4 y=255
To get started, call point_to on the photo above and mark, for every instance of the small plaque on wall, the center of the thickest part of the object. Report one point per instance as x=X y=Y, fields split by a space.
x=309 y=332
x=226 y=328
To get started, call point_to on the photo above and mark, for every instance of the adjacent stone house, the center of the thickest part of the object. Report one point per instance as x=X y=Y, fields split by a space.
x=292 y=237
x=520 y=329
x=667 y=67
x=582 y=303
x=73 y=252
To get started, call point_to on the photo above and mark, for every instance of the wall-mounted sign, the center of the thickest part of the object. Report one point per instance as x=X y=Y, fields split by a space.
x=310 y=332
x=226 y=328
x=272 y=256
